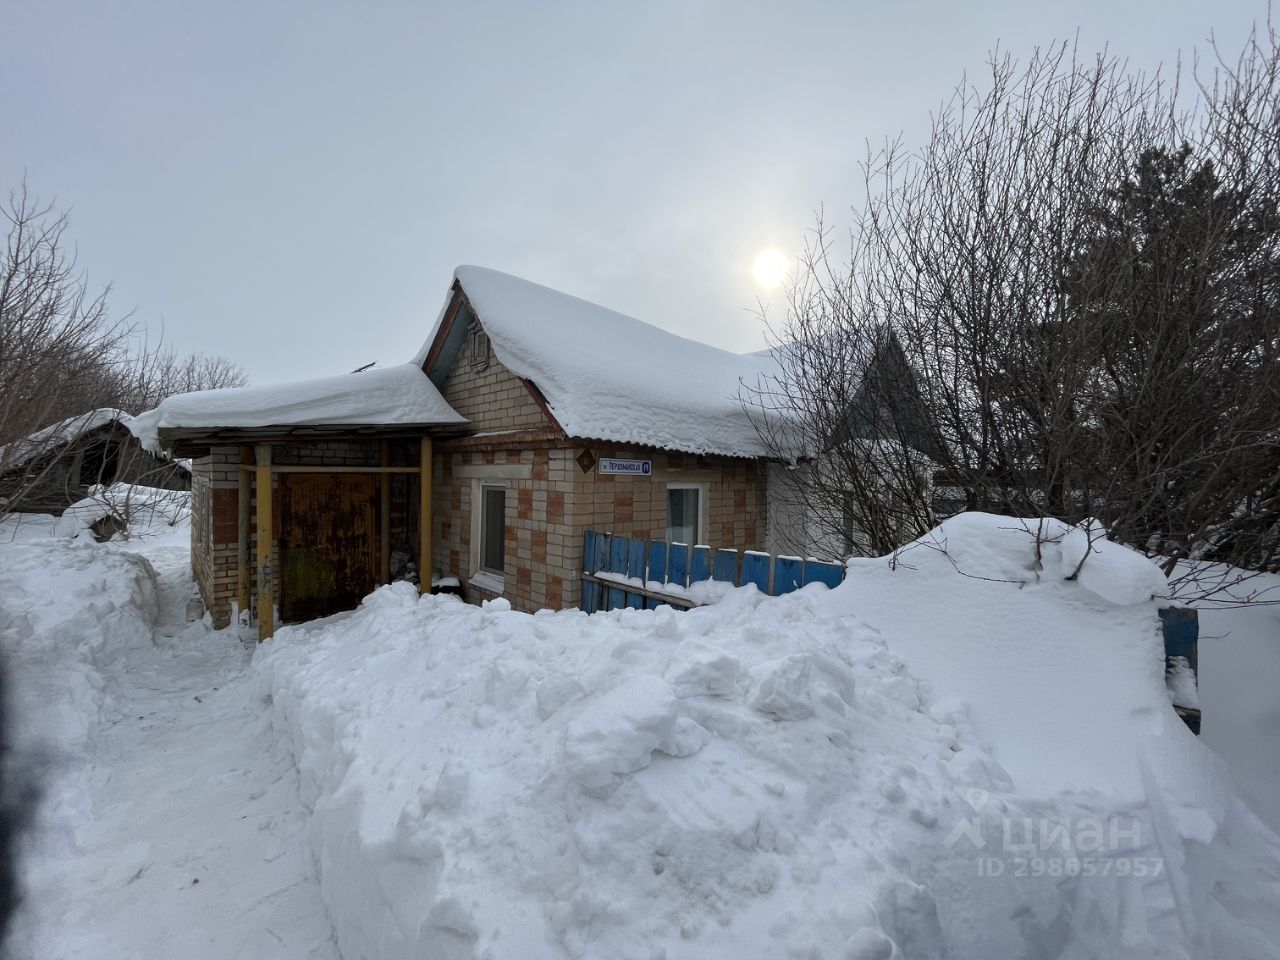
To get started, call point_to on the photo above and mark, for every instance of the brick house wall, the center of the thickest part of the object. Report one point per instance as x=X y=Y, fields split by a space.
x=540 y=562
x=214 y=525
x=551 y=502
x=734 y=492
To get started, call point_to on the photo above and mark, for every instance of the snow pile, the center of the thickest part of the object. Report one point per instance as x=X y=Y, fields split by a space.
x=139 y=510
x=60 y=595
x=66 y=607
x=78 y=518
x=1180 y=679
x=25 y=527
x=168 y=825
x=927 y=761
x=608 y=376
x=400 y=395
x=142 y=512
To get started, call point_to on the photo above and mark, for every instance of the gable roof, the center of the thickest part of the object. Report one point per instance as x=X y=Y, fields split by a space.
x=604 y=375
x=58 y=435
x=389 y=396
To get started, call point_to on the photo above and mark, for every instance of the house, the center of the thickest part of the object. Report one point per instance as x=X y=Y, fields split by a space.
x=527 y=418
x=53 y=468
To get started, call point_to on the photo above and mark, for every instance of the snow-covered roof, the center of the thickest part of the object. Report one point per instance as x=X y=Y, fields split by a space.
x=607 y=376
x=58 y=435
x=389 y=396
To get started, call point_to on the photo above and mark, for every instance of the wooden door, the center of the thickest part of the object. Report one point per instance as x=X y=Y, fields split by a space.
x=328 y=543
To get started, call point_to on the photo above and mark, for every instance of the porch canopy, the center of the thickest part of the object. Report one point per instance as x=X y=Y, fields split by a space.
x=385 y=401
x=385 y=404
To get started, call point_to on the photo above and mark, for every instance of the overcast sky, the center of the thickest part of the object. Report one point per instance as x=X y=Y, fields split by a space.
x=290 y=185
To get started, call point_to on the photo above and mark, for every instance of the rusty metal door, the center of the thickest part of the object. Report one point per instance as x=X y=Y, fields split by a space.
x=328 y=543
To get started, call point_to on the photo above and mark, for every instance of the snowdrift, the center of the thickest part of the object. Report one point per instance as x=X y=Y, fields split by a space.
x=66 y=607
x=957 y=753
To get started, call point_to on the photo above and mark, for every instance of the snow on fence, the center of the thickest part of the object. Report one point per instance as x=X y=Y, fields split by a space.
x=627 y=572
x=622 y=572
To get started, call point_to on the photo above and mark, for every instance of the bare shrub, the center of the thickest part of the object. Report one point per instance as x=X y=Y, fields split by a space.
x=1077 y=278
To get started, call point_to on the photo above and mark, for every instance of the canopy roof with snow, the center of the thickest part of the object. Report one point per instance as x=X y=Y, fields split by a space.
x=59 y=435
x=603 y=375
x=400 y=396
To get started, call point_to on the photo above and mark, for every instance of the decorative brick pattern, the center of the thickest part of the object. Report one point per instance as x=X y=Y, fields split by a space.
x=536 y=548
x=546 y=517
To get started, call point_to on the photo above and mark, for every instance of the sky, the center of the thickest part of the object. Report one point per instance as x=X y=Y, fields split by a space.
x=291 y=184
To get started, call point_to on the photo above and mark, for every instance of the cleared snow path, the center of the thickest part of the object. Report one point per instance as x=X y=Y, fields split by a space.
x=194 y=845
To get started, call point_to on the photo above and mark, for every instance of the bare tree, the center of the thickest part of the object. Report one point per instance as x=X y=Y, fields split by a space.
x=68 y=367
x=160 y=373
x=1076 y=281
x=60 y=351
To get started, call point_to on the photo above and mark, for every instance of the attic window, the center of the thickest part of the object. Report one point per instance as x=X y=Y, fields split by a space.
x=479 y=346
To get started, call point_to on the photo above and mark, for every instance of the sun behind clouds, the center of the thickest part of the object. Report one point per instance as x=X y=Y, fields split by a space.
x=770 y=268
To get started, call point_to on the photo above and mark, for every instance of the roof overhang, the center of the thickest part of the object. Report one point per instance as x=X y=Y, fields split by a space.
x=194 y=442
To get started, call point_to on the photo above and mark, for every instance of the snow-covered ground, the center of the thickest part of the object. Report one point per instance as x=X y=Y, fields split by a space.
x=958 y=755
x=170 y=825
x=955 y=755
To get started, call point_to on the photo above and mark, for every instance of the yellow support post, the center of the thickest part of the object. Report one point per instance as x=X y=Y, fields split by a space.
x=266 y=575
x=424 y=519
x=385 y=514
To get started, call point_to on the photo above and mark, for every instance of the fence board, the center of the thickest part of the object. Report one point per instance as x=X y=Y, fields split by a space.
x=755 y=569
x=1181 y=627
x=787 y=573
x=726 y=566
x=657 y=569
x=700 y=565
x=678 y=564
x=590 y=590
x=815 y=571
x=617 y=564
x=635 y=568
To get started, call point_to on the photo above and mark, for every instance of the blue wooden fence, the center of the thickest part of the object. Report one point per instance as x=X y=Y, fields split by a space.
x=658 y=573
x=651 y=569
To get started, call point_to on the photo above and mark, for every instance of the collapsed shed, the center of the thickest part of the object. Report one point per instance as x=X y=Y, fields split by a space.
x=52 y=468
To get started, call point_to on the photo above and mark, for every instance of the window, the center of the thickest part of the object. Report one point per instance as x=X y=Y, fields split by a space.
x=479 y=346
x=684 y=514
x=493 y=527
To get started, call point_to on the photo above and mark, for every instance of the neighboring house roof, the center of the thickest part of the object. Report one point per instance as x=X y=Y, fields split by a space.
x=57 y=436
x=607 y=376
x=388 y=396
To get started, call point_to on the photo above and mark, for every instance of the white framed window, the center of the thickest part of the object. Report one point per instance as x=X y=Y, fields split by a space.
x=686 y=513
x=488 y=534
